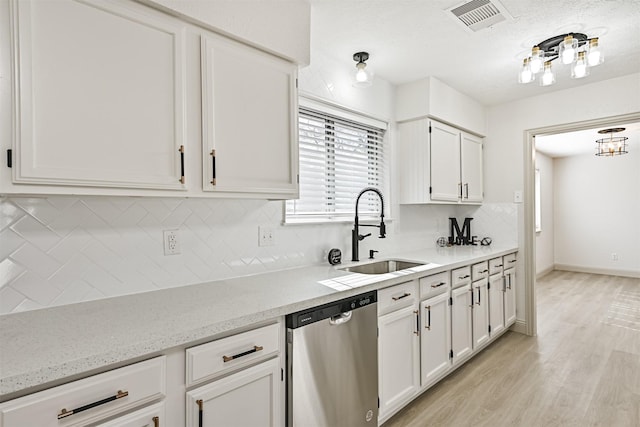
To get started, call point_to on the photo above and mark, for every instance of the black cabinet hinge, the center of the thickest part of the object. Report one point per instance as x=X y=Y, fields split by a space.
x=378 y=402
x=281 y=374
x=450 y=301
x=488 y=285
x=450 y=354
x=489 y=328
x=429 y=128
x=430 y=189
x=9 y=158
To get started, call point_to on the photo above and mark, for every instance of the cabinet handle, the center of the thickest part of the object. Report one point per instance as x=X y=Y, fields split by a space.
x=504 y=283
x=181 y=150
x=463 y=277
x=512 y=261
x=439 y=284
x=244 y=353
x=200 y=412
x=478 y=297
x=460 y=189
x=213 y=167
x=406 y=294
x=417 y=331
x=509 y=281
x=499 y=265
x=156 y=421
x=119 y=395
x=428 y=327
x=484 y=271
x=466 y=190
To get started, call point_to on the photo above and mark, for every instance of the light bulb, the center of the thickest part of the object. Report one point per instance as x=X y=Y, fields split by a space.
x=526 y=75
x=580 y=68
x=568 y=49
x=361 y=74
x=594 y=55
x=536 y=62
x=548 y=78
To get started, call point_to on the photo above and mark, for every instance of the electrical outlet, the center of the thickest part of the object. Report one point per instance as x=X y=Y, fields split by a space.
x=171 y=242
x=517 y=196
x=266 y=236
x=614 y=256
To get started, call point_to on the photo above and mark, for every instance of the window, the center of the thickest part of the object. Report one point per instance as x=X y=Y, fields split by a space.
x=339 y=156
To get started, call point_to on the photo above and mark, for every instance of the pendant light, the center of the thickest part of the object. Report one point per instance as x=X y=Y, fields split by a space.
x=363 y=76
x=612 y=146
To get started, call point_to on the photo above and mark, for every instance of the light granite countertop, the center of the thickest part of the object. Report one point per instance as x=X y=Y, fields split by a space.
x=48 y=346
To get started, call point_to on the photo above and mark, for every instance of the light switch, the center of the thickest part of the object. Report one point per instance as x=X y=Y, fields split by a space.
x=517 y=196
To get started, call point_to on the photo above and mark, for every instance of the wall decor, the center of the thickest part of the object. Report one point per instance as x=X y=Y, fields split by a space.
x=462 y=236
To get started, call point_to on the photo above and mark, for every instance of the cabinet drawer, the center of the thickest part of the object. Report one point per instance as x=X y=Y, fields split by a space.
x=510 y=261
x=398 y=296
x=479 y=270
x=460 y=276
x=209 y=360
x=434 y=285
x=146 y=417
x=495 y=265
x=89 y=400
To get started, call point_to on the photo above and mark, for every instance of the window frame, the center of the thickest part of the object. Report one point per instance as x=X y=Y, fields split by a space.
x=349 y=115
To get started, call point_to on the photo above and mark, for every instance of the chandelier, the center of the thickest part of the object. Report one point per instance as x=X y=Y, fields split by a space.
x=612 y=146
x=574 y=49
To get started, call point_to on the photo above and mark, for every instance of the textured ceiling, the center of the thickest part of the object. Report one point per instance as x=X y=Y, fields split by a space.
x=412 y=39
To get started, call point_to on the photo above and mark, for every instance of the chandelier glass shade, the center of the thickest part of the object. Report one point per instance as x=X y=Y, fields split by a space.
x=363 y=76
x=574 y=49
x=613 y=145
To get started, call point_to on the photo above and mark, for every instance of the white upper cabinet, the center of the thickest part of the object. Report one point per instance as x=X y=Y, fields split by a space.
x=249 y=119
x=438 y=163
x=99 y=90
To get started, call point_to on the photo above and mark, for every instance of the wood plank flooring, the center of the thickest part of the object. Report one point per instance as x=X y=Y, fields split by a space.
x=583 y=368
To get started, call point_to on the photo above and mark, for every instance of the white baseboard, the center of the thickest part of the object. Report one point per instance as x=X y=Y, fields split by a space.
x=545 y=271
x=520 y=326
x=591 y=270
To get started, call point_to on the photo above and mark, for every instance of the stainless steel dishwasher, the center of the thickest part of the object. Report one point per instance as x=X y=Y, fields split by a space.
x=332 y=364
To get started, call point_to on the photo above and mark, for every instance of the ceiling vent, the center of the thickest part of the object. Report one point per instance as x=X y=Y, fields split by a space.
x=478 y=14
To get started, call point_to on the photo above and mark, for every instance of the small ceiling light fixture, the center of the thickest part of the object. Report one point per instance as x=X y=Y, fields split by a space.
x=363 y=76
x=612 y=146
x=574 y=49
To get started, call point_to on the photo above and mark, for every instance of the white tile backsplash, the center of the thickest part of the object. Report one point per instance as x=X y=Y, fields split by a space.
x=59 y=250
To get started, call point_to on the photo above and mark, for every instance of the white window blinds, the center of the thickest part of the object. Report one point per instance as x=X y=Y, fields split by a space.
x=338 y=158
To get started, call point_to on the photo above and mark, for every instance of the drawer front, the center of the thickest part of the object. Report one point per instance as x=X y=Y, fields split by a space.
x=434 y=285
x=496 y=265
x=510 y=261
x=150 y=416
x=479 y=270
x=91 y=399
x=396 y=297
x=460 y=276
x=209 y=360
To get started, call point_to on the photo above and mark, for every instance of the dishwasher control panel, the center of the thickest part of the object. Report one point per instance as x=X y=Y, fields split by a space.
x=312 y=315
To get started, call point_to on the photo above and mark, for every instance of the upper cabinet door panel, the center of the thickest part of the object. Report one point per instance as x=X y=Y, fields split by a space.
x=249 y=119
x=445 y=162
x=471 y=159
x=99 y=94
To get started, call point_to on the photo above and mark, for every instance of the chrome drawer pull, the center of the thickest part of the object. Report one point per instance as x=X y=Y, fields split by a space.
x=439 y=284
x=428 y=308
x=255 y=348
x=406 y=294
x=119 y=395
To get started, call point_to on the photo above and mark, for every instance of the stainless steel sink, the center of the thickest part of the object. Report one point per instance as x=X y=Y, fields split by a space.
x=382 y=267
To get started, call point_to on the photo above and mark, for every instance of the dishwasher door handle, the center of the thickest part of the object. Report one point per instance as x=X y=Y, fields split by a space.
x=341 y=318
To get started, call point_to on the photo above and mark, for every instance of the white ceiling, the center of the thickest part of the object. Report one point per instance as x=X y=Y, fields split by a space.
x=584 y=141
x=411 y=39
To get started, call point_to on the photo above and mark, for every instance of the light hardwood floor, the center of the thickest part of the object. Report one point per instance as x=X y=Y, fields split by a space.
x=583 y=368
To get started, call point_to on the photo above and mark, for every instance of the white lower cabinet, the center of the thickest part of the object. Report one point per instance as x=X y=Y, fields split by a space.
x=496 y=304
x=398 y=358
x=435 y=342
x=461 y=324
x=480 y=303
x=509 y=297
x=152 y=416
x=92 y=400
x=250 y=397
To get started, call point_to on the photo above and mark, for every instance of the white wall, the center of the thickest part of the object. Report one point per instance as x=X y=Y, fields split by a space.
x=504 y=147
x=544 y=238
x=597 y=207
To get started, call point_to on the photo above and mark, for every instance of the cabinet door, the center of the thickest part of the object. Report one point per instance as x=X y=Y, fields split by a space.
x=99 y=95
x=461 y=323
x=152 y=416
x=413 y=161
x=496 y=303
x=435 y=342
x=471 y=168
x=480 y=312
x=250 y=397
x=398 y=358
x=249 y=117
x=510 y=297
x=445 y=162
